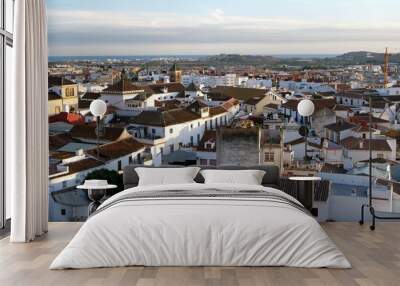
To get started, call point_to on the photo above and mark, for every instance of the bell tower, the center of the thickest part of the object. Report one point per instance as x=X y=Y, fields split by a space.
x=175 y=74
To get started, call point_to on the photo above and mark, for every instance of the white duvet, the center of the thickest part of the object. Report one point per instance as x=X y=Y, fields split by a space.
x=200 y=232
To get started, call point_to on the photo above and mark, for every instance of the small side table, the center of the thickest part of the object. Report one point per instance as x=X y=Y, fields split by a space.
x=307 y=197
x=95 y=194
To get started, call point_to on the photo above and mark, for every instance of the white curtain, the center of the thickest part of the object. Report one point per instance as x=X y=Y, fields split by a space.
x=27 y=124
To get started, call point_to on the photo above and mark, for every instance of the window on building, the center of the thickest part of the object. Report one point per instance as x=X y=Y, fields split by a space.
x=119 y=165
x=269 y=157
x=198 y=139
x=63 y=211
x=6 y=45
x=130 y=160
x=171 y=130
x=69 y=92
x=153 y=131
x=213 y=162
x=191 y=141
x=203 y=162
x=64 y=184
x=171 y=148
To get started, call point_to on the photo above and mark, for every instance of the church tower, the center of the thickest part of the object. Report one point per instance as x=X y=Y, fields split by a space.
x=175 y=75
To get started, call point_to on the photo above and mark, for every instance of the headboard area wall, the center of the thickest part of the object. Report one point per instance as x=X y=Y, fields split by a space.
x=271 y=178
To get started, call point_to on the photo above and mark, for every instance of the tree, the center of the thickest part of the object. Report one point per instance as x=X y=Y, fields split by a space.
x=112 y=177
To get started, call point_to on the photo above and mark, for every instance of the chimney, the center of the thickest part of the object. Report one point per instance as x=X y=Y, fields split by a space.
x=205 y=112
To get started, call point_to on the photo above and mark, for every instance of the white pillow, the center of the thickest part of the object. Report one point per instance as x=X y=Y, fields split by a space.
x=247 y=177
x=166 y=176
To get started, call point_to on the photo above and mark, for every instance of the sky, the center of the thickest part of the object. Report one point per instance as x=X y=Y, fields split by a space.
x=177 y=27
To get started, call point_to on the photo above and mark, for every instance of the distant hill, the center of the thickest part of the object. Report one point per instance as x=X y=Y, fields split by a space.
x=364 y=57
x=236 y=59
x=351 y=58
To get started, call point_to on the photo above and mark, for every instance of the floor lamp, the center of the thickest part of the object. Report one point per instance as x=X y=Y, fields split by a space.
x=370 y=204
x=305 y=108
x=98 y=108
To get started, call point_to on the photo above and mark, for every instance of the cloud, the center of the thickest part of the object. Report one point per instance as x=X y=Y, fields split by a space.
x=218 y=15
x=94 y=32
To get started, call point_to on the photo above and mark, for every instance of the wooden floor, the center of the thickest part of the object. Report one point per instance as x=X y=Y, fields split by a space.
x=375 y=257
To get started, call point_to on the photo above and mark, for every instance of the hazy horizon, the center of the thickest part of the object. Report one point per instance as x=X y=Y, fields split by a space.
x=208 y=27
x=150 y=57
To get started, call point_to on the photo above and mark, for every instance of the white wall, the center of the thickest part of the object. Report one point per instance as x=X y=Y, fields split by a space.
x=299 y=151
x=182 y=133
x=361 y=155
x=305 y=86
x=389 y=91
x=211 y=81
x=333 y=155
x=350 y=101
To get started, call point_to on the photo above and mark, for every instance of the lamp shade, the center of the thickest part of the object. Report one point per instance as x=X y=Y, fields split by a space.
x=98 y=107
x=305 y=107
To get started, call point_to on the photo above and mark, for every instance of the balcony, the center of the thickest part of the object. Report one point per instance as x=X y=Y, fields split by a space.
x=302 y=166
x=150 y=139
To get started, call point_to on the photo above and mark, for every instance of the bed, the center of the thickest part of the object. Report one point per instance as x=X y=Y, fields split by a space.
x=196 y=224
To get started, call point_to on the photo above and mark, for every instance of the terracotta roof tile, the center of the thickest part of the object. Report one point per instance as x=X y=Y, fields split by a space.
x=123 y=86
x=340 y=126
x=239 y=92
x=53 y=96
x=88 y=132
x=59 y=81
x=230 y=103
x=319 y=104
x=83 y=165
x=117 y=149
x=89 y=96
x=352 y=143
x=217 y=110
x=171 y=87
x=254 y=100
x=59 y=140
x=165 y=118
x=71 y=118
